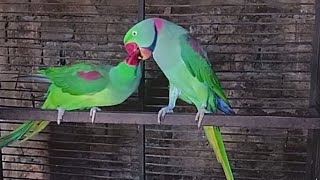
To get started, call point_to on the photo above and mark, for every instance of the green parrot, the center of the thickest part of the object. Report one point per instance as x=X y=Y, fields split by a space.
x=191 y=78
x=81 y=86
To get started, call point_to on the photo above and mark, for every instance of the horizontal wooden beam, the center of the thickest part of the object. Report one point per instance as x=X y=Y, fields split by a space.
x=22 y=114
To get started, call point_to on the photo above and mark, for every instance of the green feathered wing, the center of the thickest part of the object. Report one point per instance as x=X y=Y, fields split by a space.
x=196 y=60
x=79 y=79
x=75 y=80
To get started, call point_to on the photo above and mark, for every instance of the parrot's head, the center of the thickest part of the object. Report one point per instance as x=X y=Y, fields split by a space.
x=143 y=36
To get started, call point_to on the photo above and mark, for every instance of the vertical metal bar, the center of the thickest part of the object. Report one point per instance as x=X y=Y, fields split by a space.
x=310 y=155
x=141 y=16
x=141 y=155
x=315 y=71
x=141 y=10
x=317 y=154
x=1 y=163
x=313 y=157
x=141 y=128
x=313 y=146
x=1 y=166
x=317 y=159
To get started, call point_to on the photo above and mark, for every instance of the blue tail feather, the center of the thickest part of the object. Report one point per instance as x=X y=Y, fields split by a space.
x=37 y=77
x=224 y=107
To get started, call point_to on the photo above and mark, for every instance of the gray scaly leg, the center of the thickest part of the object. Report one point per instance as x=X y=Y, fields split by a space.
x=173 y=96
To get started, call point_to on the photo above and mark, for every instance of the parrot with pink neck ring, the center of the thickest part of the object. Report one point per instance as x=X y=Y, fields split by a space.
x=185 y=63
x=81 y=86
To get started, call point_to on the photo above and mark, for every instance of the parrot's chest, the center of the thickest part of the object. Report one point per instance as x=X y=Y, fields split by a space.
x=167 y=55
x=173 y=66
x=182 y=79
x=168 y=58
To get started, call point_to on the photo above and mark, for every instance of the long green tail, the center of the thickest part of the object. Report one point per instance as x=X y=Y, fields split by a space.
x=23 y=132
x=215 y=139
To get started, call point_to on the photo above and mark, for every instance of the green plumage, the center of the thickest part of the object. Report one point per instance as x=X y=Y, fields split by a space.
x=66 y=78
x=185 y=63
x=214 y=137
x=108 y=86
x=199 y=66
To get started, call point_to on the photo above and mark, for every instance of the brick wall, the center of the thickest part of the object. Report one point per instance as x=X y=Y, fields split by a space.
x=261 y=51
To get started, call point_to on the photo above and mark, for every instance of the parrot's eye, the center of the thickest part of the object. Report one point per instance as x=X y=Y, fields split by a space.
x=134 y=33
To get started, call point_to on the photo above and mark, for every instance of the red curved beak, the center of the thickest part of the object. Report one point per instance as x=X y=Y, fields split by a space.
x=133 y=47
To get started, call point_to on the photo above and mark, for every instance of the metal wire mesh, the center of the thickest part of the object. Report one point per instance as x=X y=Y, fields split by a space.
x=41 y=33
x=37 y=34
x=75 y=151
x=261 y=51
x=183 y=153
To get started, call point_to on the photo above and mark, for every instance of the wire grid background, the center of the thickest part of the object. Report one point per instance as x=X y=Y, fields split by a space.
x=261 y=51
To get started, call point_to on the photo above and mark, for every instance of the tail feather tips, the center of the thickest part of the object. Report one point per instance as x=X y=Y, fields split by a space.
x=36 y=77
x=23 y=132
x=224 y=107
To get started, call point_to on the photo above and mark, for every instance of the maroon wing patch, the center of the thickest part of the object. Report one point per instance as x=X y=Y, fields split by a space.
x=89 y=76
x=194 y=43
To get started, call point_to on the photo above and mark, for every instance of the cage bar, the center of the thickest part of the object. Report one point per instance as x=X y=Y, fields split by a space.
x=262 y=52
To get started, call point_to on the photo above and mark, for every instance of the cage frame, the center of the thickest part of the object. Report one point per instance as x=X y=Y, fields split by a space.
x=311 y=123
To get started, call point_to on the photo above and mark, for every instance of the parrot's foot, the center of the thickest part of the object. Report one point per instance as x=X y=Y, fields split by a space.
x=60 y=114
x=163 y=111
x=200 y=115
x=93 y=112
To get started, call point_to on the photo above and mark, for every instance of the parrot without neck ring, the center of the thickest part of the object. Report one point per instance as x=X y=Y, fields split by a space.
x=191 y=78
x=81 y=86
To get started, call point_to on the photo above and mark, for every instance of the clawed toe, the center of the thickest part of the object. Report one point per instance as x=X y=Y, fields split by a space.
x=93 y=112
x=163 y=111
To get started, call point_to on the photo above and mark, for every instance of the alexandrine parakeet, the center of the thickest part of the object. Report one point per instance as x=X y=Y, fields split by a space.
x=81 y=86
x=191 y=78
